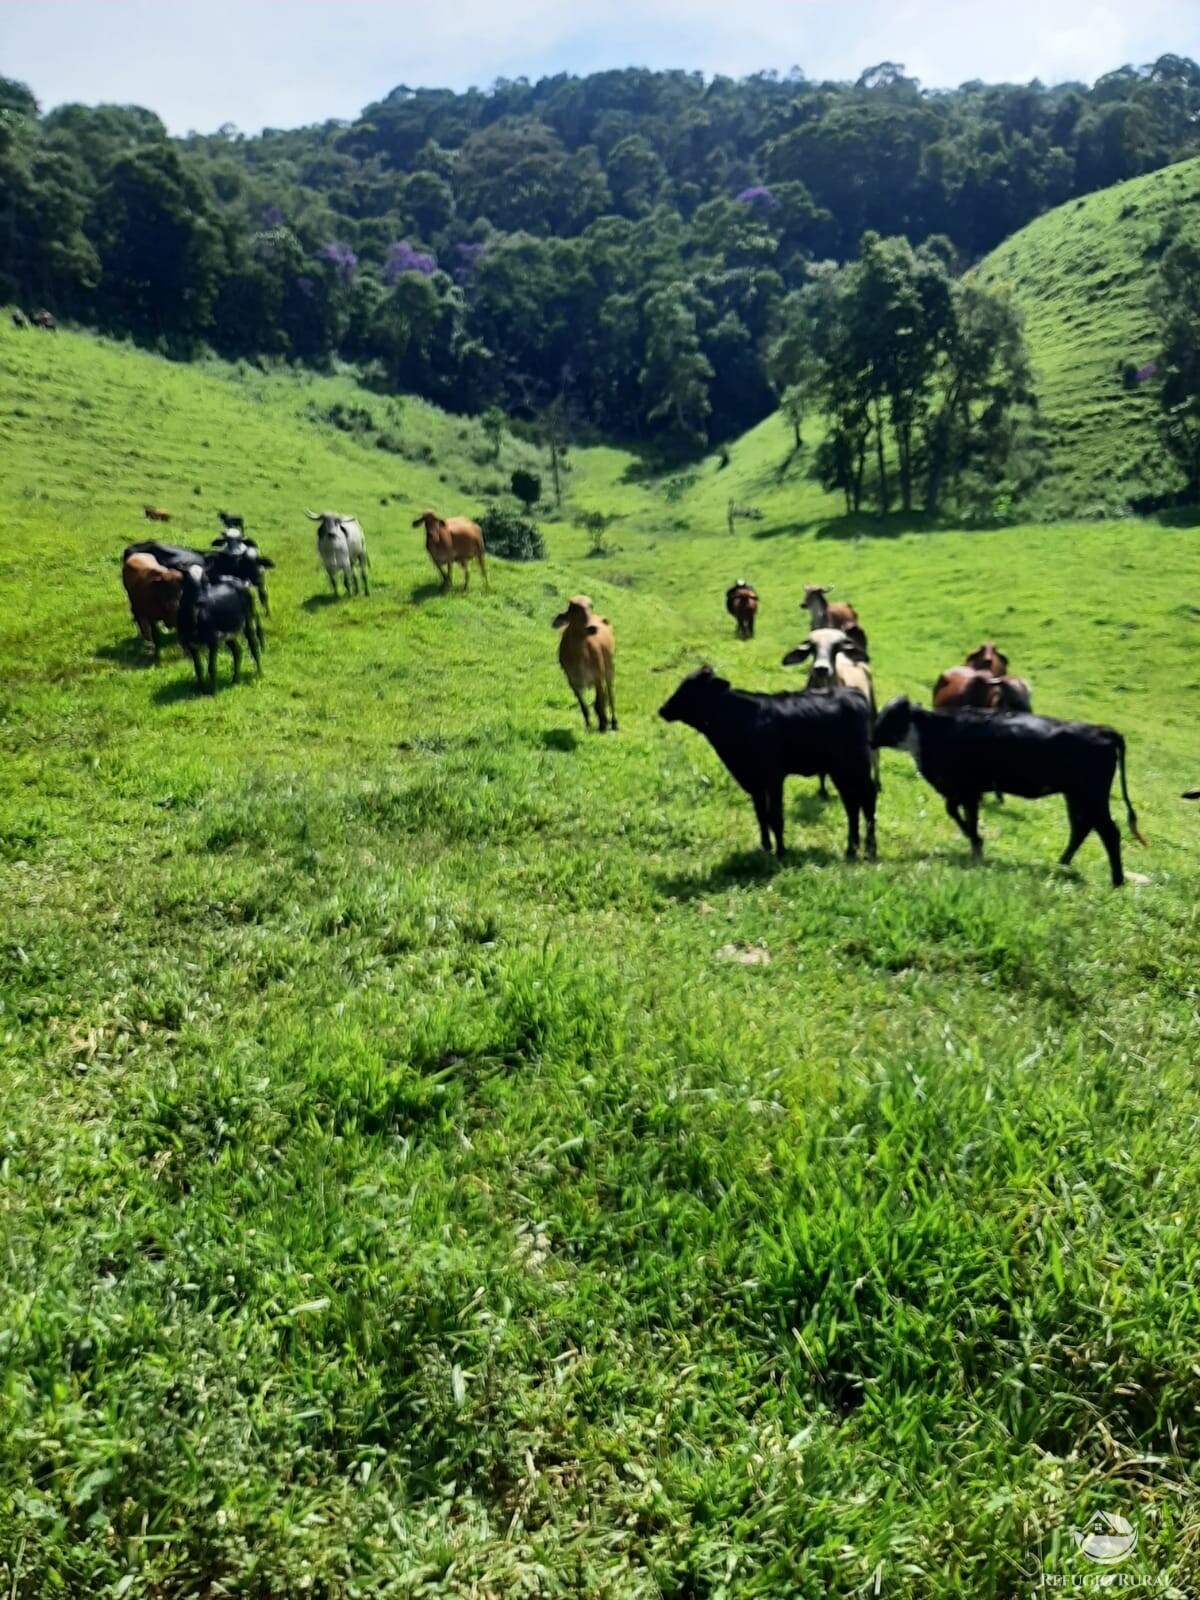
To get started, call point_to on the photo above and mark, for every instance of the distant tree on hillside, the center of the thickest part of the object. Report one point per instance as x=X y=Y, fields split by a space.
x=1176 y=298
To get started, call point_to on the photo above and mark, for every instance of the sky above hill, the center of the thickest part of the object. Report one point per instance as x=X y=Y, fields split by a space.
x=259 y=63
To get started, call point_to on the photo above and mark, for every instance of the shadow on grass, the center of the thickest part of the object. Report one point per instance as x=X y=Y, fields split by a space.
x=858 y=526
x=426 y=591
x=318 y=602
x=560 y=739
x=129 y=653
x=746 y=868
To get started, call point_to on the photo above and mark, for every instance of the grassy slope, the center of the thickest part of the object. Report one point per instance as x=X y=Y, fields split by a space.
x=402 y=1191
x=1081 y=274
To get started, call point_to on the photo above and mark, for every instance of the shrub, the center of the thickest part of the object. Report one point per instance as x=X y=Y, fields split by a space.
x=527 y=486
x=511 y=536
x=595 y=523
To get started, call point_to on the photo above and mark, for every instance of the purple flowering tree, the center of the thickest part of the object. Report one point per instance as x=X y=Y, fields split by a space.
x=339 y=255
x=758 y=195
x=401 y=258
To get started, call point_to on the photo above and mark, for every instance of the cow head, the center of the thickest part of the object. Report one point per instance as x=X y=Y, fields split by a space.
x=695 y=698
x=815 y=601
x=893 y=726
x=986 y=658
x=577 y=613
x=330 y=524
x=429 y=520
x=824 y=645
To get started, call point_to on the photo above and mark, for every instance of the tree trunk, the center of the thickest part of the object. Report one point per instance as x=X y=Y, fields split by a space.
x=884 y=495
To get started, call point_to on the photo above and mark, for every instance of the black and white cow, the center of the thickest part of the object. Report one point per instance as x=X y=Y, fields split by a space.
x=232 y=556
x=966 y=754
x=213 y=612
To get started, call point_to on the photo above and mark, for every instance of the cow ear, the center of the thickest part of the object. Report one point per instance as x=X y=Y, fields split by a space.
x=591 y=628
x=265 y=561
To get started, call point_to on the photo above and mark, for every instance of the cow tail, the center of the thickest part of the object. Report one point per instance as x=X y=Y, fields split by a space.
x=1130 y=813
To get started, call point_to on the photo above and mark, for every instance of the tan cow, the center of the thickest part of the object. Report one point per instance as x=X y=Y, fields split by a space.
x=153 y=593
x=585 y=653
x=823 y=615
x=456 y=540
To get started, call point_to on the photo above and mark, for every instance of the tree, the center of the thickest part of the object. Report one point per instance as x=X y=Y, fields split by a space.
x=492 y=423
x=527 y=487
x=675 y=373
x=1176 y=301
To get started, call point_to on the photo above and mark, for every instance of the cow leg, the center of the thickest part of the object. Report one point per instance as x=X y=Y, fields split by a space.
x=965 y=816
x=486 y=583
x=587 y=720
x=332 y=576
x=235 y=650
x=255 y=646
x=612 y=709
x=195 y=655
x=362 y=567
x=1111 y=835
x=852 y=803
x=212 y=665
x=759 y=797
x=775 y=802
x=601 y=712
x=155 y=641
x=868 y=806
x=466 y=566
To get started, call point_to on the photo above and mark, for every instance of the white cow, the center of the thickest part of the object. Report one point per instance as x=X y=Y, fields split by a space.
x=342 y=546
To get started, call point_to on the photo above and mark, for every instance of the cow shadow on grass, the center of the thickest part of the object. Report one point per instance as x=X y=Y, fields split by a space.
x=744 y=869
x=420 y=592
x=319 y=602
x=561 y=740
x=128 y=653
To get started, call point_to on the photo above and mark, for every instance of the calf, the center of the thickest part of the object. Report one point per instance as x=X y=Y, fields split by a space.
x=762 y=738
x=838 y=661
x=963 y=754
x=960 y=687
x=741 y=602
x=155 y=514
x=153 y=592
x=342 y=546
x=585 y=653
x=455 y=539
x=232 y=556
x=212 y=613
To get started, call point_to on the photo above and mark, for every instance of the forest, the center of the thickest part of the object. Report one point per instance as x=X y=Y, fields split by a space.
x=629 y=253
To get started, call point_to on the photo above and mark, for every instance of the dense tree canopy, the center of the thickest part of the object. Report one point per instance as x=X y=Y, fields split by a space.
x=635 y=245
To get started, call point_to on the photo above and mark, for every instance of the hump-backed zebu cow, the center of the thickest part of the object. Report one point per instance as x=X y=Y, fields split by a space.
x=452 y=541
x=741 y=602
x=964 y=754
x=342 y=546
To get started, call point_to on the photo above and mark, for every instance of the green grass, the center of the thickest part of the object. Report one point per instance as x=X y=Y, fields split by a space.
x=1081 y=276
x=404 y=1187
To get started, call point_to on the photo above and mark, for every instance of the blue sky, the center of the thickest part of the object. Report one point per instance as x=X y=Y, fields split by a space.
x=279 y=63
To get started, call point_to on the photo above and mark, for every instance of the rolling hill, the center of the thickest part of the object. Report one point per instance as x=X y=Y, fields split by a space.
x=1081 y=276
x=439 y=1156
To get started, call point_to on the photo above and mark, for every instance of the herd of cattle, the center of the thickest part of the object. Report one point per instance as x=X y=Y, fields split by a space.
x=980 y=737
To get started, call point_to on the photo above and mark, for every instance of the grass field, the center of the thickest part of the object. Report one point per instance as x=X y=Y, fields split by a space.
x=440 y=1156
x=1081 y=276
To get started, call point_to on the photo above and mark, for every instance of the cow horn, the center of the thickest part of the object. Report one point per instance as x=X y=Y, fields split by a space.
x=311 y=515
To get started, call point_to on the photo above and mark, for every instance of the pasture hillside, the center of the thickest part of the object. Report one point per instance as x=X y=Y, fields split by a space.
x=439 y=1156
x=1081 y=275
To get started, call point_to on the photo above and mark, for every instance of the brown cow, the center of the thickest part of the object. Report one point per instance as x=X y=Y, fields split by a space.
x=454 y=540
x=838 y=615
x=585 y=653
x=153 y=596
x=988 y=659
x=741 y=602
x=154 y=514
x=960 y=687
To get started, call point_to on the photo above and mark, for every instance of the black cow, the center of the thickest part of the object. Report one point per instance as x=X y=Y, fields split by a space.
x=215 y=612
x=762 y=738
x=175 y=556
x=965 y=754
x=232 y=556
x=1191 y=794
